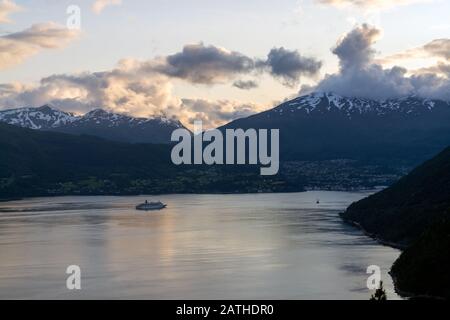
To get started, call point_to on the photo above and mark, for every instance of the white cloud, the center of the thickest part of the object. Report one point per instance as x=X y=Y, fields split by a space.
x=144 y=88
x=100 y=5
x=18 y=46
x=370 y=4
x=216 y=113
x=132 y=88
x=360 y=75
x=438 y=48
x=7 y=7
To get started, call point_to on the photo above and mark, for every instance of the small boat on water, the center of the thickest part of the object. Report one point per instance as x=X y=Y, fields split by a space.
x=147 y=206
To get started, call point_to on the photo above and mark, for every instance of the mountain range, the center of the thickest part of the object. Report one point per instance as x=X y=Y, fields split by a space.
x=98 y=122
x=318 y=126
x=323 y=126
x=372 y=142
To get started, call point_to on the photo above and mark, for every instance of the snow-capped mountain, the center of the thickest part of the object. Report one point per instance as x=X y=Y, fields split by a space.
x=100 y=116
x=322 y=103
x=312 y=127
x=43 y=118
x=323 y=126
x=98 y=122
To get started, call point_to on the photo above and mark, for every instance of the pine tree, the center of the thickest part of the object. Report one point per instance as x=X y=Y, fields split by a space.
x=380 y=294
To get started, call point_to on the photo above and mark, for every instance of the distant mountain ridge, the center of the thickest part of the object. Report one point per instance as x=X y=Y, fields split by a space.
x=322 y=102
x=43 y=117
x=325 y=126
x=98 y=122
x=318 y=126
x=45 y=163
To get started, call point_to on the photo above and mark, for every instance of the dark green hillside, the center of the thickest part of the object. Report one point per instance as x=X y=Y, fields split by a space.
x=414 y=214
x=38 y=163
x=35 y=163
x=423 y=269
x=402 y=212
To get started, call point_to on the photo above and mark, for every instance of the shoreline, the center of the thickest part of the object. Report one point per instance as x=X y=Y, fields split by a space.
x=374 y=236
x=143 y=195
x=358 y=226
x=187 y=193
x=401 y=293
x=11 y=199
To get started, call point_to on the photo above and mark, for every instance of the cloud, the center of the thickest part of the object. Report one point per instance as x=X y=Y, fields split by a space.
x=441 y=69
x=370 y=82
x=16 y=47
x=290 y=65
x=245 y=84
x=130 y=88
x=430 y=85
x=100 y=5
x=355 y=49
x=202 y=64
x=360 y=75
x=126 y=89
x=144 y=88
x=438 y=48
x=7 y=7
x=216 y=113
x=370 y=4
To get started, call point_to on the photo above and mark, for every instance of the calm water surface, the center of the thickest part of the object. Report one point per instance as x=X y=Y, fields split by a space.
x=262 y=246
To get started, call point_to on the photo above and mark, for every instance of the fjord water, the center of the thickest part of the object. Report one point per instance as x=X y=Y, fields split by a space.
x=252 y=246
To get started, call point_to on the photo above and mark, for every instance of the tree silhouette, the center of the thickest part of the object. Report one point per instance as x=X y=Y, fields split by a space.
x=380 y=294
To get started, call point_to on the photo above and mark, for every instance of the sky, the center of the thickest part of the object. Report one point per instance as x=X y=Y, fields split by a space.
x=218 y=60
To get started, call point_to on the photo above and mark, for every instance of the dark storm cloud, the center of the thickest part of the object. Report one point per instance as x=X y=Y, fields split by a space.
x=289 y=66
x=355 y=49
x=245 y=85
x=202 y=64
x=198 y=63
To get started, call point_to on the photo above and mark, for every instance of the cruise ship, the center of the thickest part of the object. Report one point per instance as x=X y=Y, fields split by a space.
x=147 y=206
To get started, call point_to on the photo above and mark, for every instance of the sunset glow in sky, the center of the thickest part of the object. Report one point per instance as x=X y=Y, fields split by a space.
x=219 y=60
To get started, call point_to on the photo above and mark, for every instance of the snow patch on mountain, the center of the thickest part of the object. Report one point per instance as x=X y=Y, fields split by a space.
x=46 y=117
x=323 y=102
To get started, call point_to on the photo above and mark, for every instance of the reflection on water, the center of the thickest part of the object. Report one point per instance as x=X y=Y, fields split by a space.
x=264 y=246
